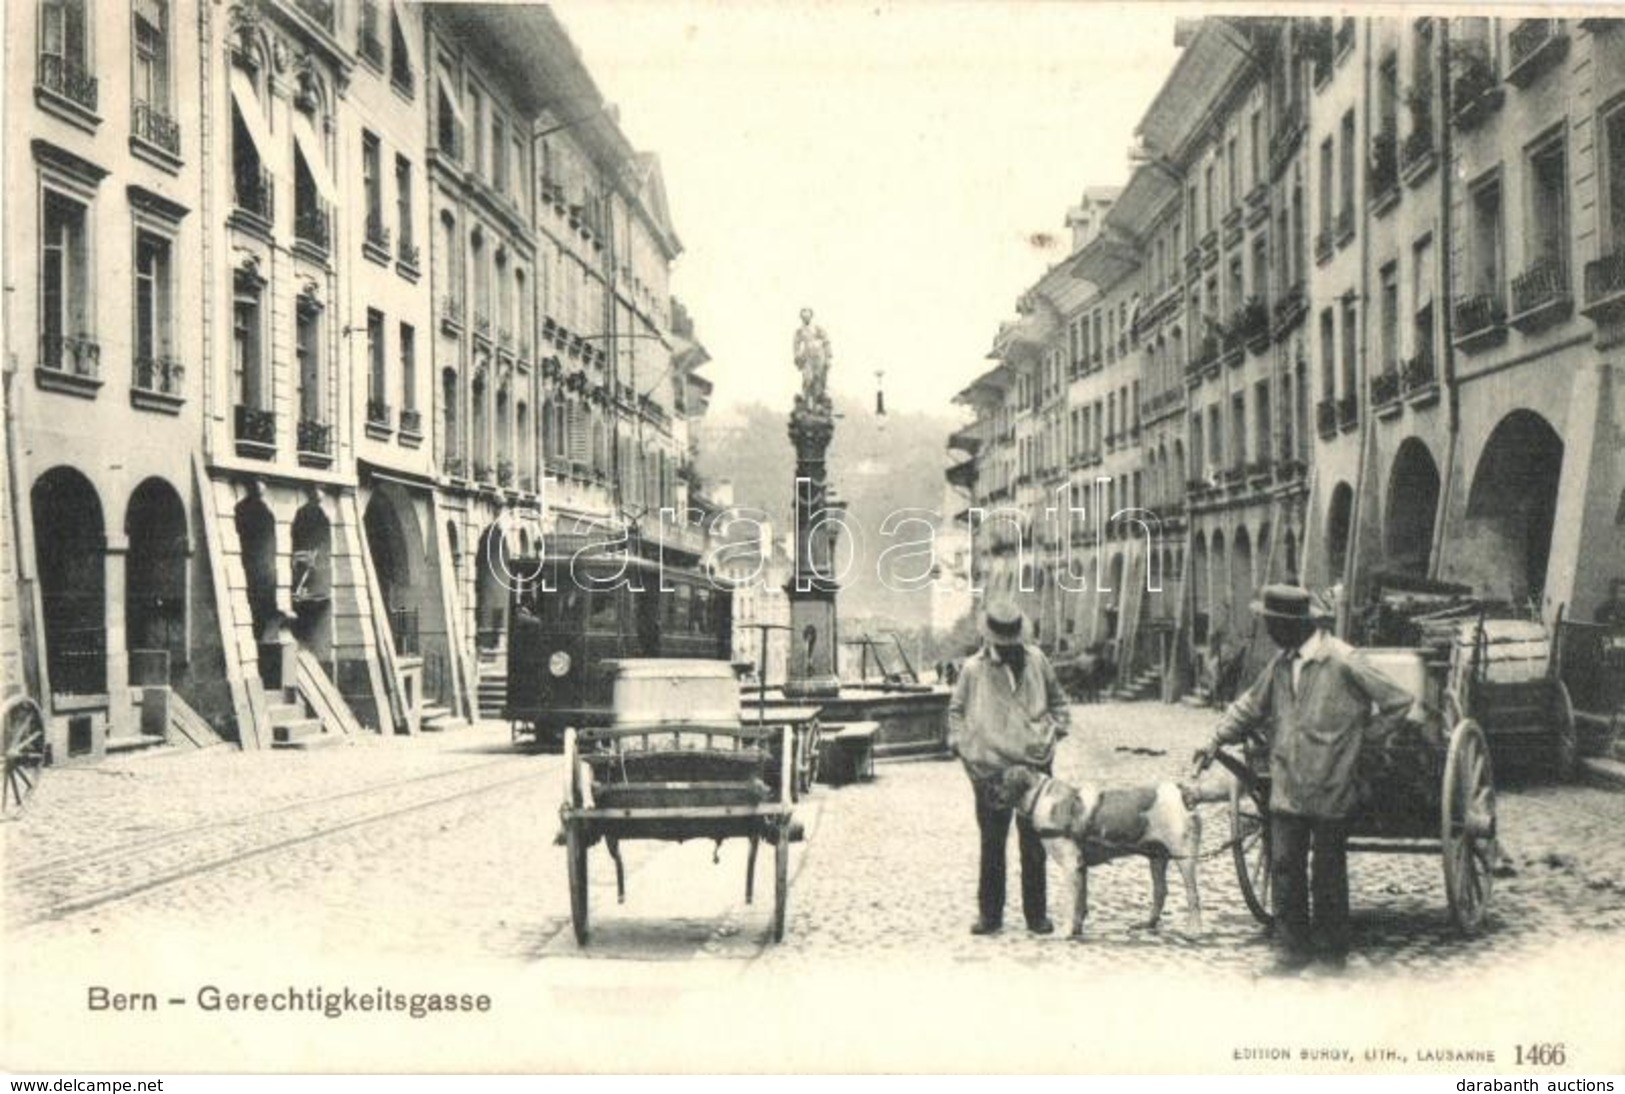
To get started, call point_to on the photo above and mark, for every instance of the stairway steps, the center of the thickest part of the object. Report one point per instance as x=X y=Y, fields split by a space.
x=304 y=734
x=139 y=742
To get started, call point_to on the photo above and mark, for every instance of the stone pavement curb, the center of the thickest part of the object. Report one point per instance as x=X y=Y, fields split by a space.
x=1602 y=773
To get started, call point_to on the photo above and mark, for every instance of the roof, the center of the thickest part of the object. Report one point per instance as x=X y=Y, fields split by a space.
x=991 y=384
x=1192 y=90
x=1148 y=192
x=1107 y=259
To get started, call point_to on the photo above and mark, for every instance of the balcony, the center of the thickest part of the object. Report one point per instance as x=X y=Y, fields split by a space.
x=1348 y=412
x=1250 y=325
x=1534 y=46
x=72 y=366
x=1323 y=246
x=504 y=472
x=482 y=326
x=319 y=10
x=380 y=419
x=1420 y=380
x=253 y=196
x=1290 y=309
x=1385 y=393
x=1291 y=470
x=1204 y=355
x=1480 y=322
x=1382 y=175
x=483 y=472
x=1476 y=91
x=1345 y=226
x=1326 y=418
x=157 y=383
x=451 y=315
x=67 y=84
x=255 y=432
x=1288 y=135
x=313 y=230
x=154 y=128
x=1605 y=287
x=1416 y=158
x=1259 y=471
x=315 y=443
x=1541 y=295
x=375 y=242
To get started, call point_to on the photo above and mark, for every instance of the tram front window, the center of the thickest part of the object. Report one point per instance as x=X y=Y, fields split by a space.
x=601 y=614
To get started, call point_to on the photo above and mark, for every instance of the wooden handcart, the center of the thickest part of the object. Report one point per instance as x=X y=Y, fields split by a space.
x=678 y=764
x=23 y=727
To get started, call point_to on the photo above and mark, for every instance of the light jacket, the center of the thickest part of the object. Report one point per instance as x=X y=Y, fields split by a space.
x=996 y=722
x=1315 y=733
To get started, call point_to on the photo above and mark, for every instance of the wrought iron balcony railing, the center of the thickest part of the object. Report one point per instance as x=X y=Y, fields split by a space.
x=254 y=193
x=312 y=225
x=315 y=437
x=68 y=78
x=73 y=356
x=156 y=128
x=159 y=375
x=1544 y=286
x=1480 y=314
x=254 y=426
x=1605 y=285
x=378 y=412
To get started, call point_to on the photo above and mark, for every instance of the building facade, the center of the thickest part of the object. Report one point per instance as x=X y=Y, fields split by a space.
x=1366 y=273
x=370 y=308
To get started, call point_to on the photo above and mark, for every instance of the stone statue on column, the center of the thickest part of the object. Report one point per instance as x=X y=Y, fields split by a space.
x=812 y=360
x=814 y=666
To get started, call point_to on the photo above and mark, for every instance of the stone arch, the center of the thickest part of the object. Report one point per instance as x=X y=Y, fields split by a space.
x=312 y=576
x=1512 y=504
x=396 y=547
x=1202 y=619
x=490 y=593
x=1410 y=508
x=256 y=537
x=155 y=573
x=1241 y=573
x=1339 y=519
x=70 y=544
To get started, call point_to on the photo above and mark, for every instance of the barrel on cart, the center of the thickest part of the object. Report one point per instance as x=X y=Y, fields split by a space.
x=1504 y=677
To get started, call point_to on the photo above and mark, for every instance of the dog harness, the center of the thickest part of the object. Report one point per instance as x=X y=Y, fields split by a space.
x=1050 y=807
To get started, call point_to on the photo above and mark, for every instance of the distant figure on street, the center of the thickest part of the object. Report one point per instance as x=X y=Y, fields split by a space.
x=1008 y=710
x=1314 y=701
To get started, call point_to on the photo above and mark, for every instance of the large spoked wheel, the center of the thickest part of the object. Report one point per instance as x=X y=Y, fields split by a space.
x=1468 y=825
x=781 y=881
x=24 y=728
x=1250 y=847
x=1566 y=747
x=575 y=846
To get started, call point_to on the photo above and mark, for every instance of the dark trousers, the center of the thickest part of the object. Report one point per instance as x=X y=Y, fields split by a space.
x=994 y=822
x=1309 y=879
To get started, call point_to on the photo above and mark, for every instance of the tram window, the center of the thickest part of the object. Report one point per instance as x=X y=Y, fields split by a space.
x=603 y=614
x=564 y=606
x=700 y=623
x=680 y=604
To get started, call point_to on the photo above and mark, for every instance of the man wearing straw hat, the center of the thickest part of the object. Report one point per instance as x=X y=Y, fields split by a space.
x=1315 y=702
x=1008 y=710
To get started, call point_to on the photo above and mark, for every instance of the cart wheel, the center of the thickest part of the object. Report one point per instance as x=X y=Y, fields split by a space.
x=1250 y=833
x=781 y=880
x=1566 y=757
x=572 y=795
x=24 y=729
x=575 y=848
x=1468 y=825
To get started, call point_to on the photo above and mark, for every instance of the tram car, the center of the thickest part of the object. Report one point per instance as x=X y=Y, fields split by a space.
x=574 y=616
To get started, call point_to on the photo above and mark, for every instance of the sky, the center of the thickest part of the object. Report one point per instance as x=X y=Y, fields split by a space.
x=893 y=166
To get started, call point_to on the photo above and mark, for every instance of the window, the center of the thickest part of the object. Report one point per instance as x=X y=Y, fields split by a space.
x=447 y=128
x=1215 y=437
x=1297 y=250
x=372 y=185
x=1347 y=175
x=64 y=66
x=65 y=287
x=1195 y=470
x=450 y=442
x=1328 y=355
x=476 y=122
x=1255 y=147
x=1327 y=194
x=1389 y=305
x=409 y=368
x=1238 y=430
x=1548 y=205
x=1611 y=164
x=1261 y=418
x=308 y=346
x=403 y=202
x=151 y=40
x=516 y=163
x=1261 y=266
x=252 y=184
x=153 y=322
x=400 y=61
x=1422 y=300
x=377 y=369
x=499 y=151
x=1351 y=339
x=1233 y=181
x=1237 y=287
x=1208 y=221
x=482 y=281
x=1485 y=271
x=246 y=357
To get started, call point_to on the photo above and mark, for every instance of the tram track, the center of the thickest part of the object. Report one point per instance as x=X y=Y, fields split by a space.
x=238 y=821
x=62 y=888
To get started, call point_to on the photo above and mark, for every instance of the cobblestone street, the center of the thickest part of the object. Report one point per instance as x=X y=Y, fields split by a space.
x=440 y=850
